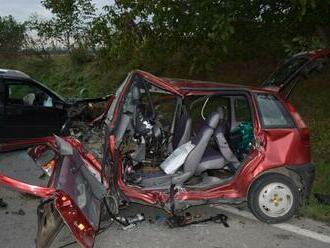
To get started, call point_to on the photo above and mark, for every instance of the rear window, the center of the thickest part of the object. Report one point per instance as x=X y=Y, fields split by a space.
x=272 y=112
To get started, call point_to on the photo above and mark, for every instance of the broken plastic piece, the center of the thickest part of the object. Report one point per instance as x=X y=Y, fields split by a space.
x=19 y=212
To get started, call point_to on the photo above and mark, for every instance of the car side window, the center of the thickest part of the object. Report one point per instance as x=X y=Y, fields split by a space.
x=27 y=95
x=272 y=112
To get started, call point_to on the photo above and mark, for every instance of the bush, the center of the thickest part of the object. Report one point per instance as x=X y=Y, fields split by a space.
x=81 y=55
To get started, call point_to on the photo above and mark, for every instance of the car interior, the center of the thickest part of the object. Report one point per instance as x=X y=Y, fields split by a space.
x=26 y=95
x=197 y=142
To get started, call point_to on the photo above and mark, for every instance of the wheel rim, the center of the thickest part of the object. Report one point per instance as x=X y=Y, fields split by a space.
x=275 y=199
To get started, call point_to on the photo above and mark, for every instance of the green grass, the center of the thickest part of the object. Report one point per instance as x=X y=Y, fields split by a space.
x=64 y=76
x=313 y=208
x=311 y=98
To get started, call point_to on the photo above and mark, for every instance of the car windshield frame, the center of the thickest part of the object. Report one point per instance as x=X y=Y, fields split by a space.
x=112 y=108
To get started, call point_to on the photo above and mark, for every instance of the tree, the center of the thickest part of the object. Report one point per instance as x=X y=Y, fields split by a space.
x=69 y=23
x=161 y=29
x=12 y=35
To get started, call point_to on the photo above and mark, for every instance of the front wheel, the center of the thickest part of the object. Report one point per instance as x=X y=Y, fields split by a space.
x=273 y=198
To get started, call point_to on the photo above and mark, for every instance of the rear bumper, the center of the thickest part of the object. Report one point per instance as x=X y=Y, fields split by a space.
x=307 y=174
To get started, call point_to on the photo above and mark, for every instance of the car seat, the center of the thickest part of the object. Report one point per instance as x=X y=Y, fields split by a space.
x=192 y=160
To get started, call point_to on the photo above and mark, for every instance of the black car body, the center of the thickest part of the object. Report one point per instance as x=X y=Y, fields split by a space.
x=29 y=109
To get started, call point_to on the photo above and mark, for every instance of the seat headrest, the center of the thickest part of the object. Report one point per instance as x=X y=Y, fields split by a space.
x=221 y=111
x=213 y=119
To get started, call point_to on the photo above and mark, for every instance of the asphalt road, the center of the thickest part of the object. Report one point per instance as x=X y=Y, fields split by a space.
x=18 y=223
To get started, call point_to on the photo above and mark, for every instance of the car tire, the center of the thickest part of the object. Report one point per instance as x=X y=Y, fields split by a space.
x=273 y=198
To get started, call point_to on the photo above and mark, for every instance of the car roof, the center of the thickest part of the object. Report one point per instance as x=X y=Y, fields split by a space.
x=189 y=86
x=9 y=73
x=18 y=75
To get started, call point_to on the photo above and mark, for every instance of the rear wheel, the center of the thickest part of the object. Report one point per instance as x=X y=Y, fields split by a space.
x=273 y=198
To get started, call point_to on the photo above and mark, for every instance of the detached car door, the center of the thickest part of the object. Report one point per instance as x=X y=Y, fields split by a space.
x=73 y=195
x=76 y=201
x=29 y=111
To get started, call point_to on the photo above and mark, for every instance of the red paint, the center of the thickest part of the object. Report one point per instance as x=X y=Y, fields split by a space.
x=75 y=220
x=26 y=188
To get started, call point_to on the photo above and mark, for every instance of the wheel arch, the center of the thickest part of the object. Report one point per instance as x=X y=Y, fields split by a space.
x=282 y=171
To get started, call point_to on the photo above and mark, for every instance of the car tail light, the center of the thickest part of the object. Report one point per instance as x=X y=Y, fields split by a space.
x=297 y=118
x=305 y=134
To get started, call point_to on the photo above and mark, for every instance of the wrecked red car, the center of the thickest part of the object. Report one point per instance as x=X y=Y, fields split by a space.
x=176 y=143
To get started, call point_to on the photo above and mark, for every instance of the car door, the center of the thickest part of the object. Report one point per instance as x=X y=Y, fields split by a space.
x=73 y=194
x=76 y=202
x=29 y=111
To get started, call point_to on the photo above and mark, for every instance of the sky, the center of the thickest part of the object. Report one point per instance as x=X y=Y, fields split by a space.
x=21 y=10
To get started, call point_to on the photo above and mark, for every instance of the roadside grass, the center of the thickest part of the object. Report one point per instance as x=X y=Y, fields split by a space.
x=313 y=208
x=63 y=76
x=311 y=98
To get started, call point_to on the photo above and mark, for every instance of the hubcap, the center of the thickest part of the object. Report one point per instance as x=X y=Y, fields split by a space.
x=275 y=199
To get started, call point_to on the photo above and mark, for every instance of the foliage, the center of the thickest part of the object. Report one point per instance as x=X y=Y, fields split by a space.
x=81 y=55
x=69 y=23
x=199 y=35
x=140 y=29
x=12 y=35
x=300 y=44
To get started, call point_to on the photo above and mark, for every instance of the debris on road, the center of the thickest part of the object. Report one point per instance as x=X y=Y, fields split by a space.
x=160 y=219
x=3 y=204
x=187 y=220
x=135 y=219
x=19 y=212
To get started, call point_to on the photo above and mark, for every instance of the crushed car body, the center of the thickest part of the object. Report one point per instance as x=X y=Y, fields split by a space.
x=176 y=143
